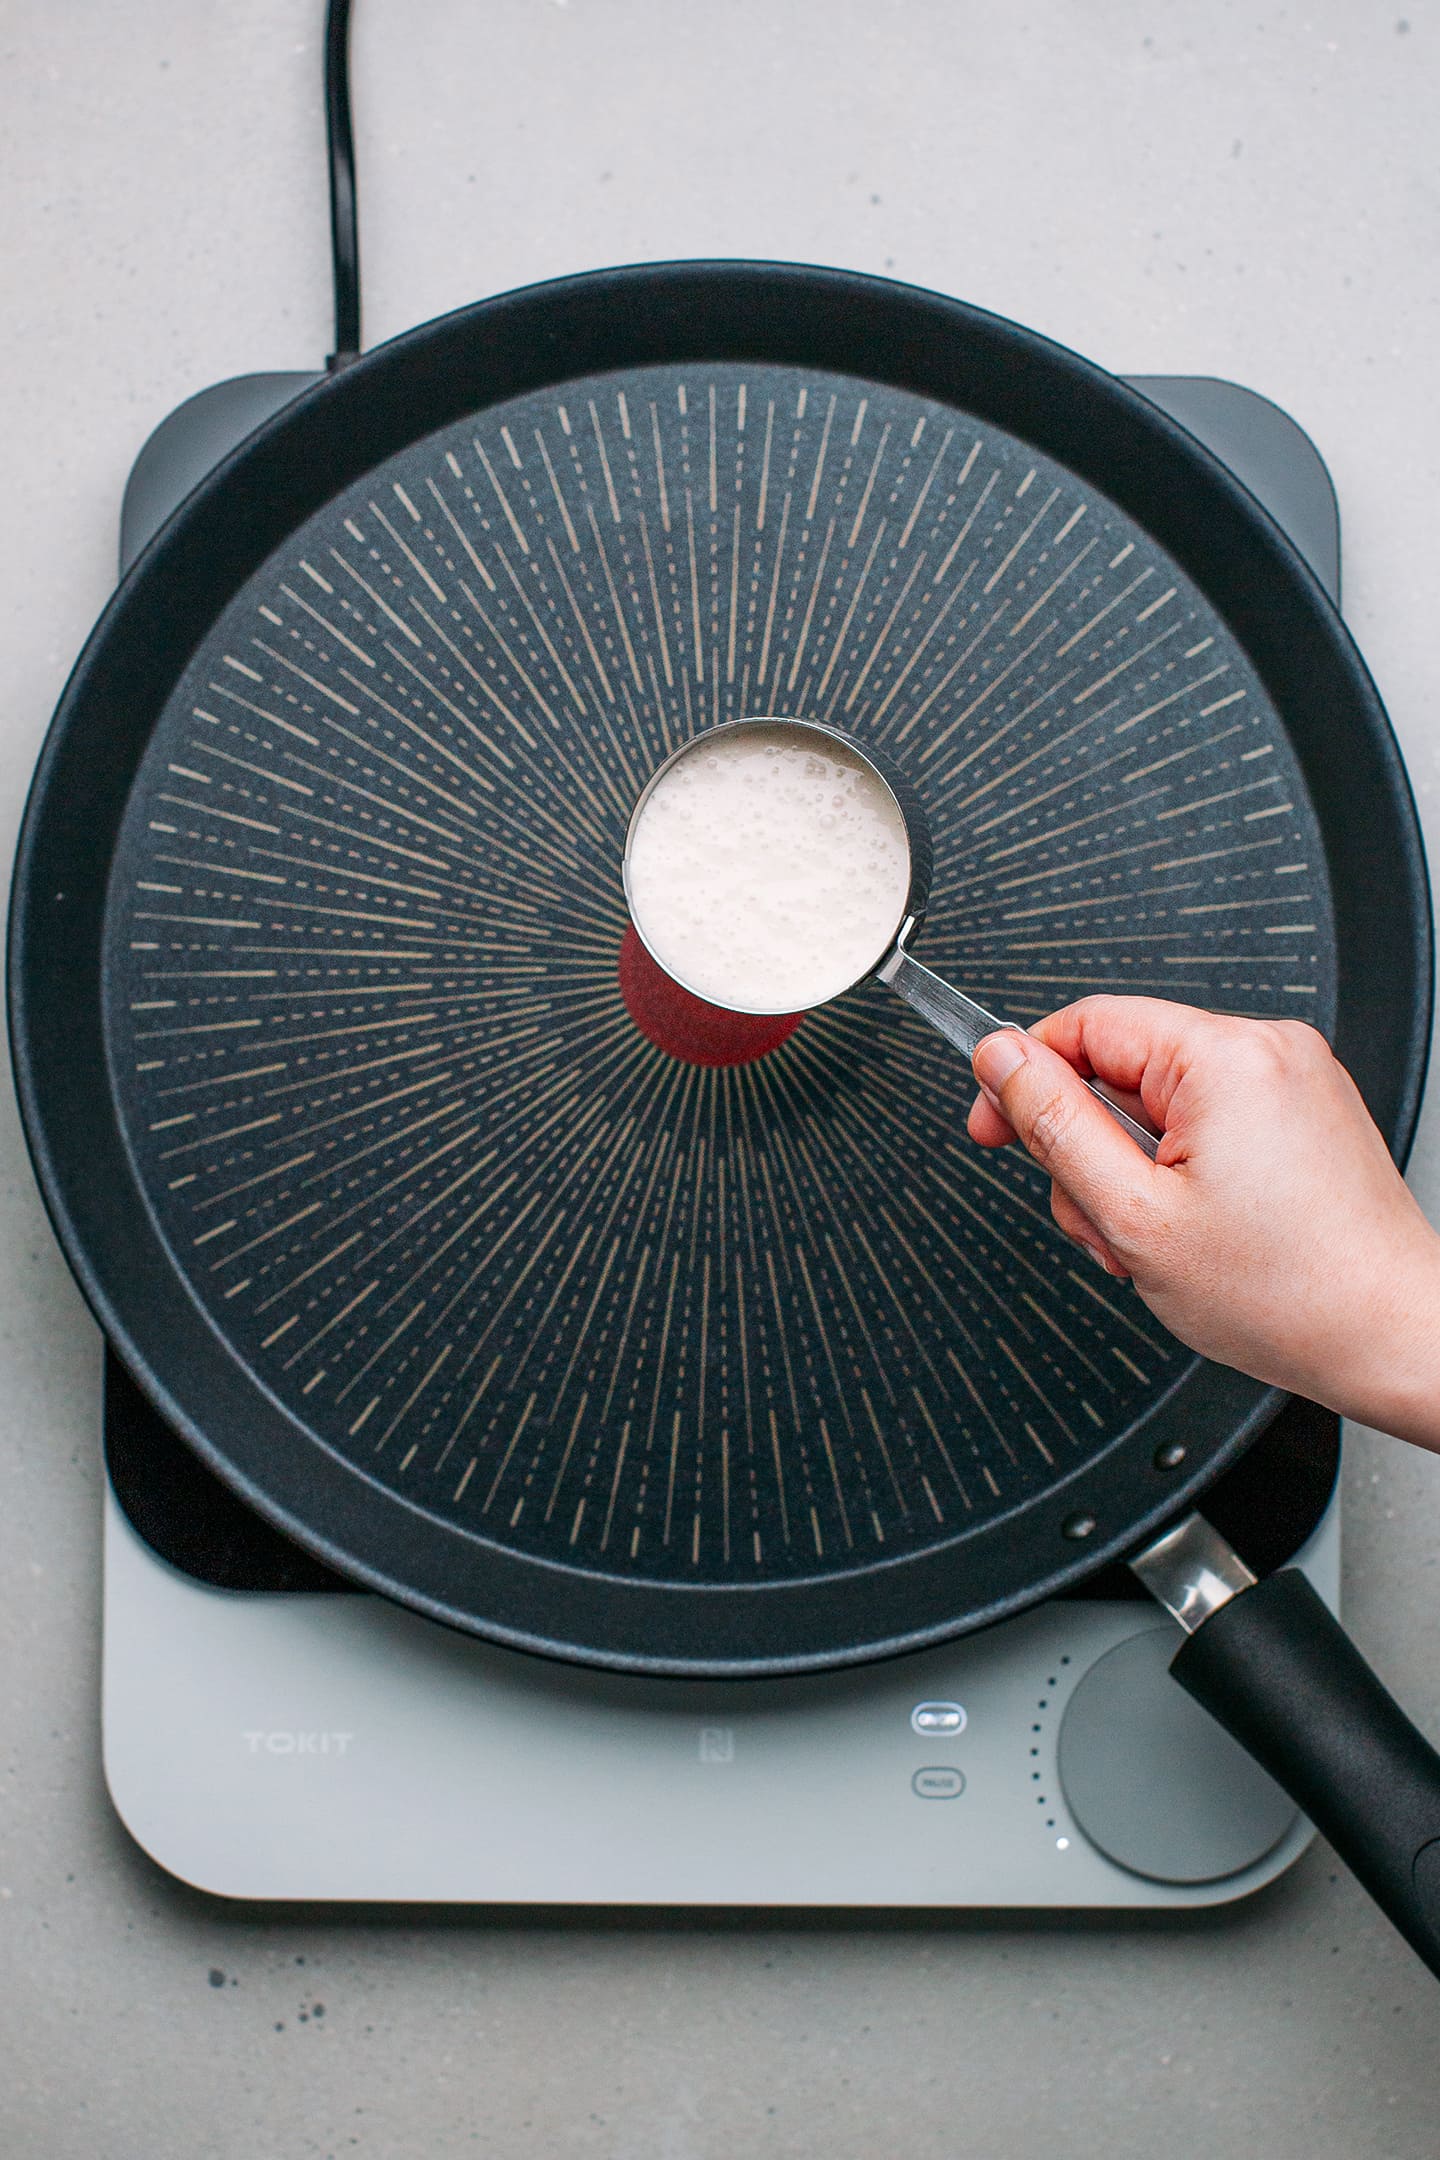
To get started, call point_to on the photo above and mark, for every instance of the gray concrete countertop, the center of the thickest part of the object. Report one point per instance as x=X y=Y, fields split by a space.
x=1239 y=190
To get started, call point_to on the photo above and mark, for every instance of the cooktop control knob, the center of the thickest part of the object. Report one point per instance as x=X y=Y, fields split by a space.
x=1153 y=1781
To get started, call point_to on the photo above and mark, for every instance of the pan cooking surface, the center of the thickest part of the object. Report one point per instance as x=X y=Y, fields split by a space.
x=405 y=1143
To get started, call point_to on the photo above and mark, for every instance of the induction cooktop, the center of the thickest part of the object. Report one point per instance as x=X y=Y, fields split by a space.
x=271 y=1732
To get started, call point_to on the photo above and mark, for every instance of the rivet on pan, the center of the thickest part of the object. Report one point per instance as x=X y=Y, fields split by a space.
x=1078 y=1526
x=1170 y=1456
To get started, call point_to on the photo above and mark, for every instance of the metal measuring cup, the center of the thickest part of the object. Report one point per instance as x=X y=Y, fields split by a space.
x=949 y=1011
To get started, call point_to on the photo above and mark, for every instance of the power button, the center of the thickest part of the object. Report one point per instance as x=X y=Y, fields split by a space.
x=938 y=1720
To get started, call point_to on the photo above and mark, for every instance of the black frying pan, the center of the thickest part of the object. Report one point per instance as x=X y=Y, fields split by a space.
x=346 y=1104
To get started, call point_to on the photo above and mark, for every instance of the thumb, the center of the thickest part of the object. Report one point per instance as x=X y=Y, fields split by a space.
x=1067 y=1130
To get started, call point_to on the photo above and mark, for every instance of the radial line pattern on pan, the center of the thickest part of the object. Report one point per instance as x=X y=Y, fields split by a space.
x=384 y=1096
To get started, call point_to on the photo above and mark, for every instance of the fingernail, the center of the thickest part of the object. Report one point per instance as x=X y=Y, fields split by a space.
x=1095 y=1254
x=996 y=1058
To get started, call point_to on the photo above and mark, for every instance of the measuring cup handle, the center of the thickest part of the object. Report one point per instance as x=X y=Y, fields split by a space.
x=964 y=1023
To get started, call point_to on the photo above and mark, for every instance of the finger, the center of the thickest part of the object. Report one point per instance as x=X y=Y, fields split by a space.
x=986 y=1126
x=1067 y=1131
x=1142 y=1045
x=1077 y=1226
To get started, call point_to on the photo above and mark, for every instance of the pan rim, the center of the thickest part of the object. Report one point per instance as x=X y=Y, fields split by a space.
x=744 y=287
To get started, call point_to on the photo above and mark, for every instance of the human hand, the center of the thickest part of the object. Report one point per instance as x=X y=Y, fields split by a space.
x=1272 y=1233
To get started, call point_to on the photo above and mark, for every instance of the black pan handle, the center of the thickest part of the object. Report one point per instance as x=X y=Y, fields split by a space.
x=1278 y=1671
x=1271 y=1663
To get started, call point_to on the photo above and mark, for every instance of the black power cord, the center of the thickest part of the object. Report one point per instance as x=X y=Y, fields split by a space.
x=344 y=229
